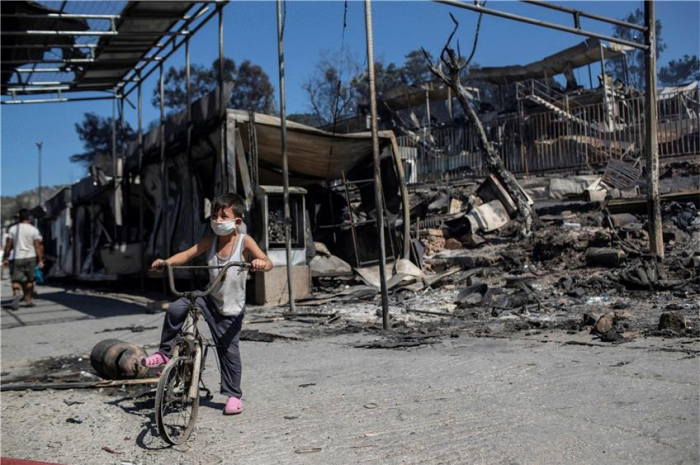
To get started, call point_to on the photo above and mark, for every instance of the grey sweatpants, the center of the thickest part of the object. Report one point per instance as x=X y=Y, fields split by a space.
x=226 y=332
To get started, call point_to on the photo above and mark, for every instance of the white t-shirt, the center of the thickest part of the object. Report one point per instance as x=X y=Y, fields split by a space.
x=23 y=236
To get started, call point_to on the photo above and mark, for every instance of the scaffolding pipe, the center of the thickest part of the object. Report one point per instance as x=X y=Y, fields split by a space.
x=222 y=108
x=37 y=89
x=40 y=70
x=656 y=243
x=609 y=122
x=285 y=158
x=378 y=202
x=95 y=33
x=82 y=61
x=175 y=46
x=50 y=46
x=114 y=162
x=56 y=100
x=123 y=186
x=92 y=16
x=142 y=253
x=163 y=180
x=538 y=22
x=604 y=19
x=190 y=162
x=69 y=83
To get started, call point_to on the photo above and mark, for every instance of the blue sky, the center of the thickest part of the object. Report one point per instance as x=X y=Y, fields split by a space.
x=314 y=27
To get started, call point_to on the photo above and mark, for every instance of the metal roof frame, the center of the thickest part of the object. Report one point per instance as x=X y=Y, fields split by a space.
x=125 y=49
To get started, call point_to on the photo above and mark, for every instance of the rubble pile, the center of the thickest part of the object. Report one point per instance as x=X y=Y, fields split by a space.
x=583 y=269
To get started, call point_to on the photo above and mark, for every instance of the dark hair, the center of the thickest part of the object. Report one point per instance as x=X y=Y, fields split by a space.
x=24 y=215
x=227 y=200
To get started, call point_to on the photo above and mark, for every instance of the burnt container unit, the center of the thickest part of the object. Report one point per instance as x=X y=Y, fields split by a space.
x=271 y=288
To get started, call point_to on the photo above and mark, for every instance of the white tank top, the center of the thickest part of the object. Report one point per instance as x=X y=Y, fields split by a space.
x=229 y=295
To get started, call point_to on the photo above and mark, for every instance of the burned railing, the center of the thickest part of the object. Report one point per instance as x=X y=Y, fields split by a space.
x=547 y=141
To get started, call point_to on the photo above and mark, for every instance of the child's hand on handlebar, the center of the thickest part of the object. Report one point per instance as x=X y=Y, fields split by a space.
x=258 y=265
x=158 y=264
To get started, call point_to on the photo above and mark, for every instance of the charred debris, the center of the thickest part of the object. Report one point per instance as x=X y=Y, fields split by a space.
x=523 y=211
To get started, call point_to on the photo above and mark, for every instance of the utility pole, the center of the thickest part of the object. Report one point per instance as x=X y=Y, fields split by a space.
x=378 y=199
x=656 y=243
x=39 y=146
x=285 y=158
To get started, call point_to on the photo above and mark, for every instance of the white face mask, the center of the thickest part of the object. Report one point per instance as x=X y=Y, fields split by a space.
x=224 y=228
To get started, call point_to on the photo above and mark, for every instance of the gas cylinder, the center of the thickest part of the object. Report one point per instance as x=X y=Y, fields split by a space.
x=115 y=359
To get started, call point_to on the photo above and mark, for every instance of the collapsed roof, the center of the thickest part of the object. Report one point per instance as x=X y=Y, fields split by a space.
x=587 y=52
x=314 y=155
x=90 y=46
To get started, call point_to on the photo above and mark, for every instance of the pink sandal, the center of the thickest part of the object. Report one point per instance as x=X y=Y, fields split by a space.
x=155 y=360
x=234 y=406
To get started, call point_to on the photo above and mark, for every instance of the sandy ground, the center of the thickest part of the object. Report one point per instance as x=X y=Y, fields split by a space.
x=534 y=397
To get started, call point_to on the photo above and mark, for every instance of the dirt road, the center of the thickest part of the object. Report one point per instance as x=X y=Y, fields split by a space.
x=536 y=397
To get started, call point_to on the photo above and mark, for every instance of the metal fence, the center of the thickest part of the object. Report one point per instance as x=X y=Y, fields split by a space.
x=586 y=137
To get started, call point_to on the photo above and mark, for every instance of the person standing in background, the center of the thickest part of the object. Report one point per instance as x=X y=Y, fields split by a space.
x=25 y=242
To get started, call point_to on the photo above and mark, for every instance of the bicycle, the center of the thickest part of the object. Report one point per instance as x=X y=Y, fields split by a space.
x=177 y=395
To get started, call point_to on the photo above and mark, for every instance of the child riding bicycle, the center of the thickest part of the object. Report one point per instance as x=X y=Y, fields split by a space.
x=224 y=308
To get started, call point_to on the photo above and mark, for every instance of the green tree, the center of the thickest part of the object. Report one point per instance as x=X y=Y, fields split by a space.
x=252 y=88
x=635 y=58
x=680 y=71
x=415 y=69
x=386 y=77
x=202 y=81
x=96 y=134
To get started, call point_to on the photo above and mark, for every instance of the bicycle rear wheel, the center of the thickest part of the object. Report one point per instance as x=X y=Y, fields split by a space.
x=176 y=413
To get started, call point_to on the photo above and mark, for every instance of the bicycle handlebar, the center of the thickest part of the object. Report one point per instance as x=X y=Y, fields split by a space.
x=197 y=294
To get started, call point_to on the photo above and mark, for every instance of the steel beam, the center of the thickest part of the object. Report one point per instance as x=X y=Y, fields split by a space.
x=55 y=100
x=572 y=11
x=80 y=61
x=95 y=33
x=142 y=254
x=37 y=89
x=50 y=46
x=148 y=17
x=41 y=70
x=538 y=22
x=175 y=47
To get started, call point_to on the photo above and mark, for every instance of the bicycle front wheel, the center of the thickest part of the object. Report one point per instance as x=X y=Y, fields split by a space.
x=176 y=412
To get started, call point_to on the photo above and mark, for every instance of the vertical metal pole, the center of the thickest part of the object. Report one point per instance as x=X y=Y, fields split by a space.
x=141 y=184
x=39 y=146
x=378 y=203
x=285 y=158
x=222 y=107
x=114 y=161
x=606 y=100
x=163 y=173
x=656 y=244
x=123 y=192
x=521 y=130
x=190 y=161
x=114 y=137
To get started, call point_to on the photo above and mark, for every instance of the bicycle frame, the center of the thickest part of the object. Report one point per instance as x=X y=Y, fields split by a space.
x=190 y=333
